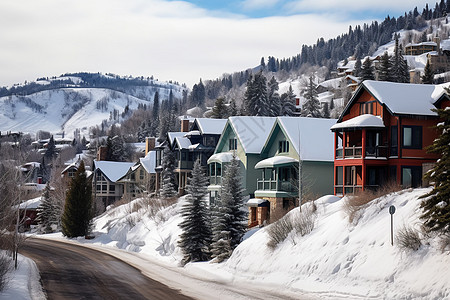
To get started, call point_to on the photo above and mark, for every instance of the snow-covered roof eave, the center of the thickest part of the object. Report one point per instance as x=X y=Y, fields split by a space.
x=362 y=121
x=275 y=161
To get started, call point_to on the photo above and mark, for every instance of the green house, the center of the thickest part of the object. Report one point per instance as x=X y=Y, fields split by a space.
x=243 y=136
x=292 y=140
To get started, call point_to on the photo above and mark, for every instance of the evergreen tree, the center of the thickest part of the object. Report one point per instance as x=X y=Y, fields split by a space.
x=155 y=111
x=220 y=110
x=47 y=212
x=326 y=110
x=255 y=98
x=230 y=220
x=50 y=153
x=428 y=74
x=77 y=216
x=118 y=149
x=367 y=70
x=357 y=69
x=288 y=102
x=169 y=185
x=233 y=110
x=436 y=207
x=196 y=225
x=385 y=68
x=311 y=106
x=274 y=101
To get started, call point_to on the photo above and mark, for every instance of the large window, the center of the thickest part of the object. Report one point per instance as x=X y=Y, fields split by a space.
x=366 y=108
x=411 y=176
x=394 y=141
x=283 y=146
x=232 y=144
x=412 y=137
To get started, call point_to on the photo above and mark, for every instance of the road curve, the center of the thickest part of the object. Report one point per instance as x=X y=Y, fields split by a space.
x=74 y=272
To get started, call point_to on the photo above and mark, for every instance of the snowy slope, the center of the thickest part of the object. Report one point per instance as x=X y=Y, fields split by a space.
x=337 y=260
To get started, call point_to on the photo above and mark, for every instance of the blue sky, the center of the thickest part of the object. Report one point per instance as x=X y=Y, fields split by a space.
x=171 y=40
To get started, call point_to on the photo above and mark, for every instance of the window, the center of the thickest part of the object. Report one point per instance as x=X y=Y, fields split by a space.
x=366 y=108
x=412 y=137
x=411 y=176
x=339 y=176
x=394 y=141
x=219 y=169
x=232 y=144
x=141 y=174
x=283 y=146
x=104 y=188
x=212 y=169
x=71 y=173
x=112 y=188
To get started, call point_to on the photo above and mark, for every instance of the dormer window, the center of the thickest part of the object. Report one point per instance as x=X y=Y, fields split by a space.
x=366 y=108
x=283 y=147
x=232 y=144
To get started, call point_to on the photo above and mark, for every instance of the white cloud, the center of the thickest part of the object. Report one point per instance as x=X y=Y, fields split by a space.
x=170 y=40
x=258 y=4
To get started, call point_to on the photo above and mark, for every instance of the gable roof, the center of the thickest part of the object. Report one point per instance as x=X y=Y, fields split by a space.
x=210 y=126
x=173 y=135
x=149 y=162
x=402 y=98
x=252 y=131
x=311 y=137
x=113 y=170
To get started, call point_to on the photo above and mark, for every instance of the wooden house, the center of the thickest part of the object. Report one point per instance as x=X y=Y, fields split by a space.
x=382 y=134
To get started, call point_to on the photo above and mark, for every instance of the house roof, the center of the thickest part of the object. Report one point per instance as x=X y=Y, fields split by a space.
x=275 y=161
x=173 y=135
x=183 y=142
x=149 y=162
x=222 y=157
x=311 y=137
x=402 y=98
x=365 y=120
x=252 y=131
x=112 y=169
x=210 y=126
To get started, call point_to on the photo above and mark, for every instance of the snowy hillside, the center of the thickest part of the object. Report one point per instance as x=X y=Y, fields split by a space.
x=70 y=108
x=337 y=260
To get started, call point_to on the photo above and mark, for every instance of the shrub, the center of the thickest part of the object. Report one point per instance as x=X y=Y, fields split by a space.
x=408 y=239
x=5 y=268
x=279 y=231
x=304 y=221
x=359 y=200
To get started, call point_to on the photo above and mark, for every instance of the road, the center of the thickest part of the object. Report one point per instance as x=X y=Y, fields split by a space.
x=74 y=272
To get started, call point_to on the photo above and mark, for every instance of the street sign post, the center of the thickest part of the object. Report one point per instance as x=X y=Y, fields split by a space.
x=392 y=212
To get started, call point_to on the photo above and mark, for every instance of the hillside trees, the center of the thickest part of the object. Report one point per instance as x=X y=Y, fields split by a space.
x=78 y=209
x=220 y=110
x=273 y=98
x=288 y=102
x=195 y=239
x=428 y=74
x=367 y=70
x=311 y=106
x=436 y=205
x=385 y=68
x=255 y=97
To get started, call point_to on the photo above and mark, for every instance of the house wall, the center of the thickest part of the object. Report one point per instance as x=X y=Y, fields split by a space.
x=377 y=108
x=318 y=178
x=277 y=136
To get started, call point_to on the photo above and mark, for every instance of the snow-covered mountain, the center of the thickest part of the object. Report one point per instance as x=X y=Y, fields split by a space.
x=66 y=109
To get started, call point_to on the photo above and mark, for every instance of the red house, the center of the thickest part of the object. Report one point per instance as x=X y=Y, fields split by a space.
x=382 y=135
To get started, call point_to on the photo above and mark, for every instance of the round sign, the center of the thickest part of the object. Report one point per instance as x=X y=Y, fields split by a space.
x=392 y=209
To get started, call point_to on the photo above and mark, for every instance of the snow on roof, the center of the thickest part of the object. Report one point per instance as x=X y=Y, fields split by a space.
x=173 y=135
x=149 y=162
x=275 y=161
x=365 y=120
x=252 y=131
x=183 y=142
x=211 y=126
x=30 y=204
x=222 y=157
x=311 y=137
x=192 y=132
x=406 y=98
x=331 y=83
x=112 y=169
x=255 y=202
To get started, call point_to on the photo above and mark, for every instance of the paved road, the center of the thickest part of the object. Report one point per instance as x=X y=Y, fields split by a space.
x=74 y=272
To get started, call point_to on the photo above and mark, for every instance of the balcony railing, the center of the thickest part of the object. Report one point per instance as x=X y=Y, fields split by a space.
x=353 y=152
x=348 y=189
x=356 y=152
x=271 y=185
x=215 y=180
x=377 y=151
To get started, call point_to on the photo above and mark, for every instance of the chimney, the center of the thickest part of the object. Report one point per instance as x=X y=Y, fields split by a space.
x=150 y=144
x=185 y=125
x=437 y=40
x=102 y=153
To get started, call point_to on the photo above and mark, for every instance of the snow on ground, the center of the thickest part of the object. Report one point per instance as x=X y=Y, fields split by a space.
x=23 y=283
x=337 y=260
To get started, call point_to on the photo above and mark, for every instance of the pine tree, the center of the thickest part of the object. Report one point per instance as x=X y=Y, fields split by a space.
x=428 y=74
x=50 y=153
x=357 y=69
x=47 y=212
x=196 y=225
x=169 y=186
x=400 y=72
x=288 y=102
x=230 y=220
x=326 y=110
x=311 y=106
x=274 y=101
x=78 y=212
x=436 y=207
x=255 y=97
x=220 y=110
x=233 y=110
x=385 y=68
x=367 y=70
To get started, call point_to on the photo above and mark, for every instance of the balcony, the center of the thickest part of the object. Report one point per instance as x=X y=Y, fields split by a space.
x=356 y=152
x=280 y=186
